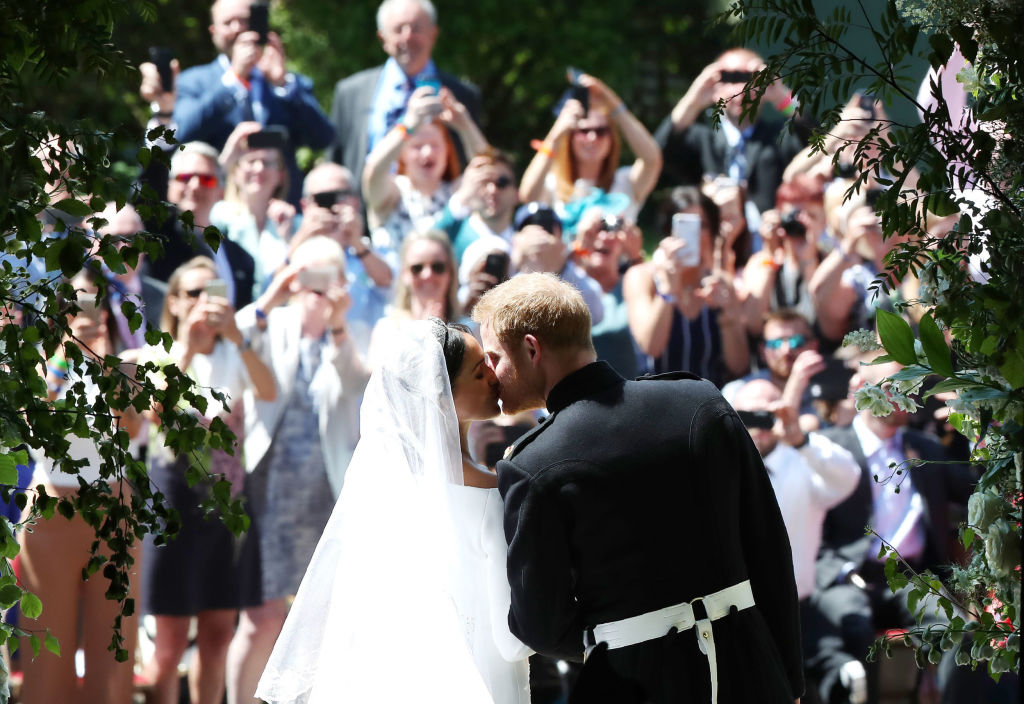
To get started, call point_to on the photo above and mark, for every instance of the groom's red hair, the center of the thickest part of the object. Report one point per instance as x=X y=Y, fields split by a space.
x=541 y=305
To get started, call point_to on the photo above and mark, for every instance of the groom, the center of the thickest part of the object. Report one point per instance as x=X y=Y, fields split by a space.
x=641 y=523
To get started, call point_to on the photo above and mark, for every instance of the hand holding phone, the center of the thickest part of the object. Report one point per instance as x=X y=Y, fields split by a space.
x=259 y=21
x=216 y=288
x=686 y=226
x=161 y=57
x=496 y=265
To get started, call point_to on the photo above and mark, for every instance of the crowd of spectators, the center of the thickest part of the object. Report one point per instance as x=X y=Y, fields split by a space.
x=757 y=269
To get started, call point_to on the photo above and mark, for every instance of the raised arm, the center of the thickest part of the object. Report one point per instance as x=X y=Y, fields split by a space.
x=531 y=188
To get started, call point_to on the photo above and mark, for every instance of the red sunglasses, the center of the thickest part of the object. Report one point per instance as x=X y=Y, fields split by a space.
x=205 y=180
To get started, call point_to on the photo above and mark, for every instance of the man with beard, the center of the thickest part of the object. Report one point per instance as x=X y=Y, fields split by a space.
x=642 y=529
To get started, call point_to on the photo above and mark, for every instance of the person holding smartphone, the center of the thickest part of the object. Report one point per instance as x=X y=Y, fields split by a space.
x=200 y=574
x=684 y=312
x=581 y=151
x=414 y=169
x=248 y=81
x=745 y=149
x=298 y=444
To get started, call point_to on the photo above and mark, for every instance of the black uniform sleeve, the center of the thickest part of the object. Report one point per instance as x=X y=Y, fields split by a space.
x=544 y=613
x=766 y=549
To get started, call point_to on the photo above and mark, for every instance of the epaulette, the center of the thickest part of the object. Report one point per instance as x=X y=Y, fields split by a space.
x=669 y=376
x=527 y=437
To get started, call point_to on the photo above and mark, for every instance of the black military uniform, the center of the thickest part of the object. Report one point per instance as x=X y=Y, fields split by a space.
x=637 y=495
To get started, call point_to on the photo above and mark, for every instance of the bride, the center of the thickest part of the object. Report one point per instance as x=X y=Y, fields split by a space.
x=406 y=597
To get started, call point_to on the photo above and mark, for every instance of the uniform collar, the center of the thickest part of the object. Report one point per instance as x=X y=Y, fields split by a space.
x=582 y=382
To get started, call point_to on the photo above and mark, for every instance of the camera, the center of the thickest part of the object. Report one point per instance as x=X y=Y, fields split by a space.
x=611 y=223
x=792 y=225
x=760 y=420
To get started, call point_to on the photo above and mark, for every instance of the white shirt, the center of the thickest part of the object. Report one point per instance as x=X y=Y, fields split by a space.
x=896 y=516
x=807 y=483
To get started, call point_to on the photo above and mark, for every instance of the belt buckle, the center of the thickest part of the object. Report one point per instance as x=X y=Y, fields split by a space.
x=694 y=603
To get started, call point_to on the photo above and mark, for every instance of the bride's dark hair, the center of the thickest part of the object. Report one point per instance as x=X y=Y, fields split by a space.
x=453 y=345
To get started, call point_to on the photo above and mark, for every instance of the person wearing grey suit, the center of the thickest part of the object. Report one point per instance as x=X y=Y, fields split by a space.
x=368 y=103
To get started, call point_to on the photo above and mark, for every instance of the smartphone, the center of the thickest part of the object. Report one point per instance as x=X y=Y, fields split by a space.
x=216 y=288
x=317 y=278
x=497 y=265
x=91 y=308
x=432 y=82
x=761 y=420
x=832 y=383
x=259 y=20
x=581 y=94
x=735 y=77
x=686 y=226
x=270 y=137
x=791 y=224
x=161 y=57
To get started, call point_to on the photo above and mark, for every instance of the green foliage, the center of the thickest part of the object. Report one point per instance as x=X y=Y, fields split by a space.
x=59 y=171
x=925 y=169
x=517 y=53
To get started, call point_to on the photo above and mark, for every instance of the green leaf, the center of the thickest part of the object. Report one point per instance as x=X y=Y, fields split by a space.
x=896 y=336
x=51 y=644
x=10 y=594
x=73 y=207
x=8 y=470
x=1013 y=368
x=33 y=640
x=31 y=607
x=935 y=347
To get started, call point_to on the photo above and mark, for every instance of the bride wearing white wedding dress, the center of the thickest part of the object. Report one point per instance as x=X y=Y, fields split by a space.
x=406 y=598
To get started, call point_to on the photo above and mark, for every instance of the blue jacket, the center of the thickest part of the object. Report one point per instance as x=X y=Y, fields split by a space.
x=208 y=108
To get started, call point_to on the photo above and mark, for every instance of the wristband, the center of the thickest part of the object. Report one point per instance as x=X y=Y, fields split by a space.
x=341 y=330
x=619 y=109
x=260 y=315
x=404 y=129
x=61 y=374
x=668 y=297
x=542 y=148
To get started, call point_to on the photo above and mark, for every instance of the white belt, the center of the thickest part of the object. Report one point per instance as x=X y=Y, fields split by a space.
x=655 y=624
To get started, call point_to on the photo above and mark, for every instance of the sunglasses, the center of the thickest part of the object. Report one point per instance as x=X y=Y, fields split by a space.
x=793 y=341
x=193 y=292
x=205 y=180
x=596 y=131
x=502 y=182
x=326 y=199
x=436 y=267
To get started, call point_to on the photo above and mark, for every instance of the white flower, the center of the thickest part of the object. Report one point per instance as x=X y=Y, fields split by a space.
x=1002 y=548
x=903 y=403
x=866 y=340
x=983 y=508
x=874 y=399
x=907 y=386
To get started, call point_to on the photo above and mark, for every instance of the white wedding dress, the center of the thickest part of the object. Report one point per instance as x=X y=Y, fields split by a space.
x=406 y=598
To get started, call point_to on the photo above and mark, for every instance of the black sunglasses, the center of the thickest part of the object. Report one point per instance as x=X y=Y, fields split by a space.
x=603 y=131
x=194 y=292
x=326 y=199
x=502 y=182
x=436 y=267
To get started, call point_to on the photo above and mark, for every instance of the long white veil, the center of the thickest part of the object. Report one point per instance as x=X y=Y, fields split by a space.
x=376 y=618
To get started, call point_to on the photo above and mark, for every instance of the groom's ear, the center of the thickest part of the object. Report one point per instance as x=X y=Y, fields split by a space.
x=533 y=350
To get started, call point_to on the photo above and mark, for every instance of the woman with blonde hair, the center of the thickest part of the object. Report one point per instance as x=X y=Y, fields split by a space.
x=581 y=153
x=199 y=574
x=298 y=445
x=428 y=285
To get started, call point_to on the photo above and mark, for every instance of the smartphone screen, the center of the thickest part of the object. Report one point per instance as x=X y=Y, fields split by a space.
x=432 y=82
x=686 y=226
x=161 y=57
x=259 y=20
x=497 y=265
x=216 y=288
